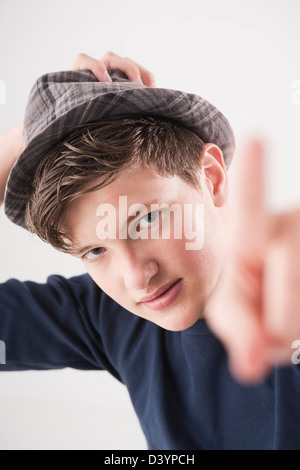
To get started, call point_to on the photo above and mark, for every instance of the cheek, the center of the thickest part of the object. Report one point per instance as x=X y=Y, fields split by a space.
x=195 y=263
x=213 y=251
x=200 y=266
x=104 y=278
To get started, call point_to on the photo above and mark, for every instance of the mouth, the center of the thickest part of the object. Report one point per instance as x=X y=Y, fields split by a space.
x=164 y=296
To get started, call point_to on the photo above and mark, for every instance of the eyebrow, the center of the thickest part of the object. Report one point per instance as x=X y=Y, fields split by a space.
x=88 y=248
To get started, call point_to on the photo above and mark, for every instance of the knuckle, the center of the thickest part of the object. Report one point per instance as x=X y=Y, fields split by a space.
x=130 y=62
x=109 y=54
x=81 y=56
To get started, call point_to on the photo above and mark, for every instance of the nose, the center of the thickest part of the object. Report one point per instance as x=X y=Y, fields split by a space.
x=137 y=269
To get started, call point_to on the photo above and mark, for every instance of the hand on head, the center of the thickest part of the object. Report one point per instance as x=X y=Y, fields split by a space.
x=110 y=60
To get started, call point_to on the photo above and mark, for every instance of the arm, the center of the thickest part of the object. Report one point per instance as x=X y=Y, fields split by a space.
x=11 y=146
x=53 y=325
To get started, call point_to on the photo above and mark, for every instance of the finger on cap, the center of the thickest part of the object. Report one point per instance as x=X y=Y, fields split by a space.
x=147 y=77
x=85 y=62
x=134 y=71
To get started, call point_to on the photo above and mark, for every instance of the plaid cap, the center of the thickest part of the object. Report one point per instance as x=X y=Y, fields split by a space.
x=60 y=102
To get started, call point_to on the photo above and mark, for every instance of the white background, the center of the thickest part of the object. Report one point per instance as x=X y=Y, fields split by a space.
x=243 y=56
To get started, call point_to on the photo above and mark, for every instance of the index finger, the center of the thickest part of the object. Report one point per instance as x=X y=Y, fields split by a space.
x=86 y=62
x=133 y=70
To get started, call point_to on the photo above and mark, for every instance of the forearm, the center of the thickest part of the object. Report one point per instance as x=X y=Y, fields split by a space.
x=6 y=165
x=52 y=325
x=11 y=147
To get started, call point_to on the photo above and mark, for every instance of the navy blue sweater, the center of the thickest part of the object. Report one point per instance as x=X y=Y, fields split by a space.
x=178 y=382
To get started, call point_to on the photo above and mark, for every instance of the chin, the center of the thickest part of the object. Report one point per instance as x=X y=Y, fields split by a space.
x=178 y=323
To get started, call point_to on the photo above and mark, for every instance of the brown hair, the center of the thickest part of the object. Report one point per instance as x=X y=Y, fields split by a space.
x=105 y=149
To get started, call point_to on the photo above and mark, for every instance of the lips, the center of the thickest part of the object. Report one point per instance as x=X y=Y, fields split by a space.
x=170 y=293
x=158 y=292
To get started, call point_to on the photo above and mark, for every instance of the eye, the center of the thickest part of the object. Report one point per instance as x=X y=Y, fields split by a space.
x=148 y=219
x=94 y=254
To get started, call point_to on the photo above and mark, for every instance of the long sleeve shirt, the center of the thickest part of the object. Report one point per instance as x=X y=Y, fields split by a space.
x=179 y=382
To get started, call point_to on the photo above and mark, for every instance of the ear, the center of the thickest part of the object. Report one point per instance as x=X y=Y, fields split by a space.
x=215 y=174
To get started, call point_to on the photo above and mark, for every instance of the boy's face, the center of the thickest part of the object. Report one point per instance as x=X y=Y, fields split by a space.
x=129 y=269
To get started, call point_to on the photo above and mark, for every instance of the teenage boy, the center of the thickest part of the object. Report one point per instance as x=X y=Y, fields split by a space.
x=90 y=147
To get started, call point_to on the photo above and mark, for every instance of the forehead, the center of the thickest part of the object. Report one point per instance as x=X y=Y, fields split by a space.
x=135 y=183
x=140 y=185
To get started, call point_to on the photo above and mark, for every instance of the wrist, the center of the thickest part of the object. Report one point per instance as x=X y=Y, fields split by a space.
x=11 y=144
